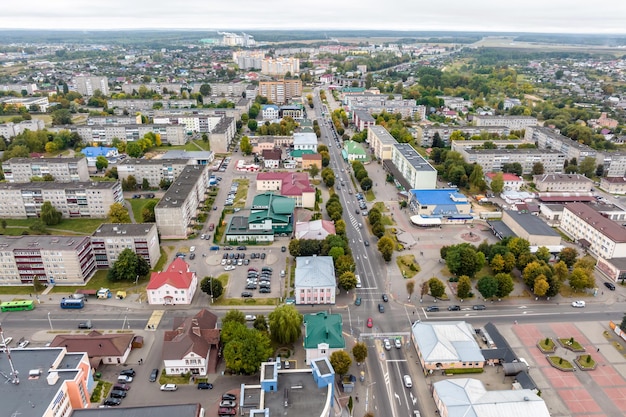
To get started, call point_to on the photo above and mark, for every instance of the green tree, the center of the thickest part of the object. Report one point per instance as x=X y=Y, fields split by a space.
x=234 y=316
x=477 y=177
x=385 y=247
x=118 y=214
x=533 y=270
x=366 y=184
x=497 y=183
x=505 y=284
x=587 y=167
x=253 y=125
x=347 y=280
x=509 y=262
x=260 y=323
x=541 y=286
x=464 y=259
x=205 y=89
x=437 y=288
x=145 y=184
x=538 y=169
x=560 y=270
x=285 y=324
x=4 y=223
x=622 y=325
x=247 y=350
x=125 y=268
x=50 y=215
x=581 y=279
x=359 y=352
x=314 y=170
x=101 y=163
x=487 y=286
x=543 y=254
x=464 y=287
x=61 y=117
x=134 y=150
x=147 y=212
x=129 y=183
x=245 y=146
x=340 y=360
x=518 y=246
x=212 y=287
x=569 y=256
x=497 y=263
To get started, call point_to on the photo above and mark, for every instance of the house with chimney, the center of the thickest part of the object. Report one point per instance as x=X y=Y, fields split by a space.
x=106 y=349
x=176 y=285
x=192 y=346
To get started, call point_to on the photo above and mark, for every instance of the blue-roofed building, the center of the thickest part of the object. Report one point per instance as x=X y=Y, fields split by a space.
x=446 y=345
x=440 y=206
x=93 y=152
x=269 y=111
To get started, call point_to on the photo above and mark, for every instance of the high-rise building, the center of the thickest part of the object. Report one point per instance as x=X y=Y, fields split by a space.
x=282 y=91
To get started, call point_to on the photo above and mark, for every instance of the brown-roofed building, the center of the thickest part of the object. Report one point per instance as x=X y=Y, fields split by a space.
x=193 y=345
x=613 y=185
x=311 y=159
x=176 y=285
x=294 y=185
x=272 y=158
x=565 y=183
x=596 y=233
x=112 y=348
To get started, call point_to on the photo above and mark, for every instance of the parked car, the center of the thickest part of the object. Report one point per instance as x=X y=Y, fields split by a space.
x=609 y=285
x=265 y=290
x=357 y=302
x=263 y=255
x=250 y=317
x=118 y=393
x=192 y=256
x=381 y=308
x=123 y=379
x=228 y=404
x=123 y=387
x=127 y=372
x=169 y=387
x=112 y=401
x=223 y=411
x=154 y=374
x=385 y=298
x=229 y=396
x=370 y=322
x=432 y=309
x=23 y=344
x=283 y=249
x=387 y=344
x=246 y=294
x=205 y=385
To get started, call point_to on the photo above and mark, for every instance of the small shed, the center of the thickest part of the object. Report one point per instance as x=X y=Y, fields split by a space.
x=137 y=342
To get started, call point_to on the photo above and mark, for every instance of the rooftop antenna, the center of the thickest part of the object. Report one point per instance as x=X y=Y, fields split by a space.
x=14 y=378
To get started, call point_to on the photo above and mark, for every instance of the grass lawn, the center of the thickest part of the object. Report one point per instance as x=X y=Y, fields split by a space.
x=15 y=227
x=242 y=193
x=408 y=266
x=369 y=195
x=162 y=260
x=560 y=362
x=138 y=204
x=546 y=347
x=172 y=379
x=99 y=280
x=585 y=361
x=380 y=206
x=571 y=343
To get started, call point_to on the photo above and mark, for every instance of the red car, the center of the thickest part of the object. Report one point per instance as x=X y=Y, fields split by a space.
x=223 y=411
x=370 y=323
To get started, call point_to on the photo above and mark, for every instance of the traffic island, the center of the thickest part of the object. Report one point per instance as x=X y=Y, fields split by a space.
x=585 y=362
x=560 y=363
x=546 y=345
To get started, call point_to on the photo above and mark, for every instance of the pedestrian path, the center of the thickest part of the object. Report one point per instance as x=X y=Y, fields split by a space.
x=154 y=320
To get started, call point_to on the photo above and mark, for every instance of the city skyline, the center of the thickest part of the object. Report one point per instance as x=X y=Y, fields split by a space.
x=556 y=16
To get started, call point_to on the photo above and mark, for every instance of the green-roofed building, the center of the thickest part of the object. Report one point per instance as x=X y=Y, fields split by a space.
x=353 y=90
x=322 y=335
x=353 y=151
x=272 y=212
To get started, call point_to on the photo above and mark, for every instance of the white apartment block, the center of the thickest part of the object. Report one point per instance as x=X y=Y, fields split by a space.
x=280 y=66
x=381 y=142
x=18 y=88
x=564 y=183
x=104 y=135
x=62 y=260
x=179 y=206
x=77 y=199
x=223 y=135
x=445 y=131
x=87 y=85
x=417 y=172
x=493 y=159
x=615 y=164
x=111 y=239
x=132 y=104
x=600 y=235
x=459 y=145
x=10 y=130
x=512 y=122
x=280 y=92
x=547 y=138
x=159 y=88
x=61 y=169
x=192 y=122
x=113 y=120
x=154 y=170
x=32 y=103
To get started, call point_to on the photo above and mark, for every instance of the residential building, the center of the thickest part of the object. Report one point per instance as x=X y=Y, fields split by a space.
x=547 y=138
x=294 y=111
x=410 y=168
x=61 y=380
x=30 y=88
x=159 y=88
x=295 y=185
x=269 y=112
x=459 y=145
x=315 y=281
x=178 y=208
x=280 y=66
x=511 y=181
x=362 y=120
x=110 y=239
x=192 y=157
x=613 y=185
x=104 y=135
x=353 y=151
x=455 y=103
x=62 y=260
x=87 y=85
x=314 y=229
x=272 y=212
x=493 y=159
x=272 y=158
x=322 y=335
x=260 y=143
x=469 y=397
x=304 y=141
x=113 y=120
x=61 y=169
x=193 y=345
x=446 y=345
x=133 y=104
x=614 y=164
x=428 y=133
x=153 y=170
x=282 y=91
x=512 y=122
x=381 y=142
x=175 y=286
x=599 y=235
x=296 y=158
x=565 y=183
x=439 y=206
x=528 y=227
x=101 y=348
x=38 y=104
x=10 y=130
x=223 y=135
x=193 y=122
x=75 y=199
x=308 y=160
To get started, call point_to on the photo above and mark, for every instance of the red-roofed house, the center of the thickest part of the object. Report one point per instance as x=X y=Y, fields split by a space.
x=176 y=285
x=193 y=345
x=112 y=348
x=511 y=181
x=311 y=159
x=294 y=185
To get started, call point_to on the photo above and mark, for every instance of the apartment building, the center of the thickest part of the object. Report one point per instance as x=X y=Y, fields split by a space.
x=459 y=145
x=613 y=185
x=62 y=260
x=31 y=103
x=512 y=122
x=415 y=172
x=380 y=141
x=199 y=123
x=362 y=120
x=77 y=199
x=178 y=208
x=547 y=138
x=113 y=120
x=282 y=91
x=445 y=131
x=596 y=233
x=493 y=159
x=133 y=104
x=18 y=88
x=280 y=66
x=564 y=183
x=223 y=135
x=104 y=134
x=10 y=129
x=61 y=169
x=87 y=85
x=615 y=164
x=153 y=170
x=295 y=185
x=159 y=88
x=111 y=239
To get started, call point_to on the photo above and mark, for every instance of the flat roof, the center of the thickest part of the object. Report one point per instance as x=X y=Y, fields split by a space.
x=383 y=135
x=128 y=229
x=182 y=154
x=154 y=161
x=306 y=399
x=560 y=178
x=53 y=185
x=41 y=160
x=416 y=160
x=222 y=125
x=564 y=139
x=440 y=196
x=513 y=151
x=531 y=223
x=166 y=410
x=181 y=187
x=32 y=242
x=597 y=221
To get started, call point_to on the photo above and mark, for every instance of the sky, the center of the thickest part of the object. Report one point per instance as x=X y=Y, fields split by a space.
x=545 y=16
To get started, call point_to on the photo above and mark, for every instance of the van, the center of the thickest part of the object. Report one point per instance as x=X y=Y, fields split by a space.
x=85 y=324
x=407 y=381
x=358 y=281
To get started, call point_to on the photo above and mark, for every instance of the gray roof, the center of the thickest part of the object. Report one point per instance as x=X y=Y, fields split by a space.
x=532 y=224
x=447 y=342
x=53 y=185
x=413 y=157
x=159 y=161
x=180 y=154
x=315 y=271
x=365 y=116
x=307 y=400
x=9 y=243
x=512 y=151
x=223 y=125
x=383 y=135
x=181 y=187
x=166 y=410
x=560 y=178
x=304 y=138
x=500 y=229
x=128 y=229
x=41 y=160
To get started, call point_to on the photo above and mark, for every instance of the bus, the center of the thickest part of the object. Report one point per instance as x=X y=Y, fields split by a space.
x=72 y=303
x=17 y=305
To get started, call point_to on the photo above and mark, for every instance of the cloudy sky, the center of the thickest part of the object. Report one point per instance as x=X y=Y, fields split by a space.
x=560 y=16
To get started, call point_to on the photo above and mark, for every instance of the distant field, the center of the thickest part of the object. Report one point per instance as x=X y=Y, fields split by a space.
x=508 y=42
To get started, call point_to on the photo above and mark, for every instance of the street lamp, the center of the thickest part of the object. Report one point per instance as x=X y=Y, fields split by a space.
x=50 y=321
x=367 y=395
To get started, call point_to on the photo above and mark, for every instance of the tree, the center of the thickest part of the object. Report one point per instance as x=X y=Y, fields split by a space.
x=533 y=270
x=538 y=169
x=437 y=288
x=129 y=183
x=560 y=270
x=505 y=284
x=587 y=167
x=497 y=263
x=61 y=117
x=622 y=325
x=285 y=324
x=101 y=163
x=359 y=351
x=464 y=287
x=314 y=170
x=252 y=125
x=569 y=256
x=234 y=316
x=341 y=362
x=385 y=247
x=4 y=223
x=133 y=149
x=581 y=279
x=127 y=267
x=118 y=214
x=260 y=323
x=212 y=287
x=366 y=184
x=50 y=216
x=147 y=212
x=247 y=350
x=410 y=287
x=487 y=286
x=477 y=177
x=245 y=146
x=541 y=286
x=347 y=280
x=464 y=259
x=205 y=89
x=543 y=254
x=497 y=183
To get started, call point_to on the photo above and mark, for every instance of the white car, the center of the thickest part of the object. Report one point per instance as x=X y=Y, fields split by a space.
x=387 y=344
x=223 y=262
x=229 y=267
x=250 y=317
x=169 y=387
x=398 y=343
x=578 y=304
x=23 y=344
x=192 y=249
